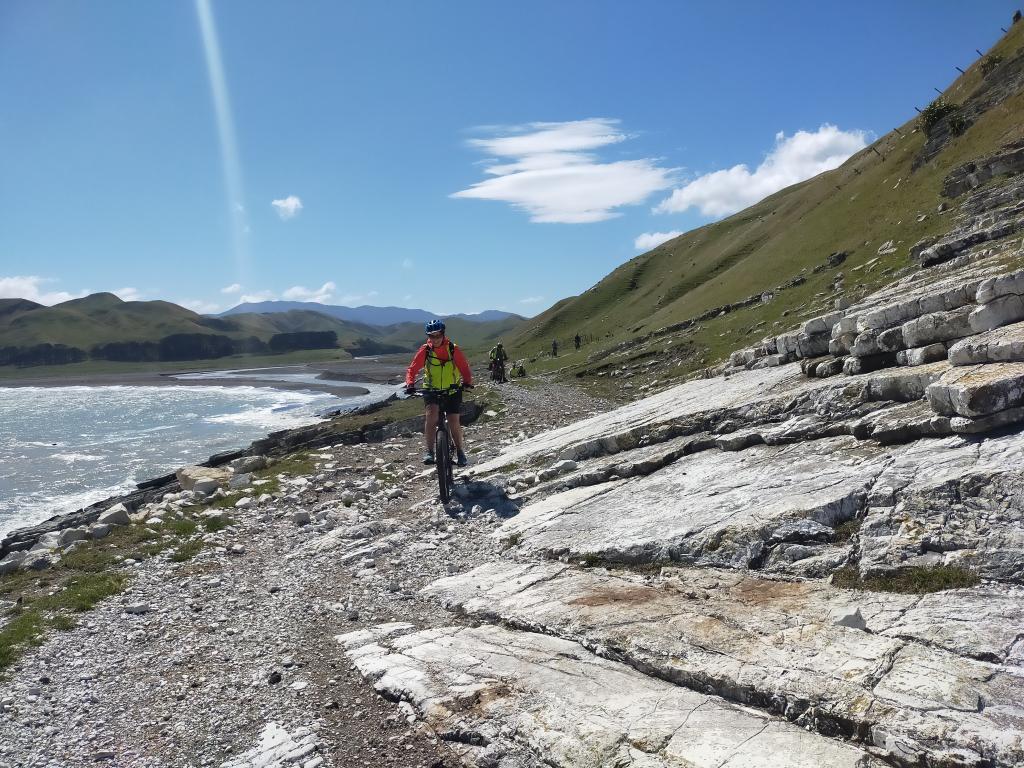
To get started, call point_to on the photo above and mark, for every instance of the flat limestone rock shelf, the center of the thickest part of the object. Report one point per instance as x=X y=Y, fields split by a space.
x=934 y=680
x=716 y=508
x=950 y=501
x=509 y=699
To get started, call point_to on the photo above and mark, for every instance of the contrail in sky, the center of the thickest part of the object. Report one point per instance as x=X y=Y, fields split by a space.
x=226 y=134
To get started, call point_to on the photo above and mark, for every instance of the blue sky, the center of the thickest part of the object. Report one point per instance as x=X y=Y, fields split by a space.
x=455 y=156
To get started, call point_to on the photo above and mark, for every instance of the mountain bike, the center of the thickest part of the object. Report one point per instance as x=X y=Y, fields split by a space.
x=444 y=452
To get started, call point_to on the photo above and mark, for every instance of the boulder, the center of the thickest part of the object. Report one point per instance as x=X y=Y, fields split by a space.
x=189 y=476
x=248 y=464
x=1000 y=345
x=978 y=390
x=205 y=487
x=36 y=561
x=997 y=313
x=921 y=355
x=938 y=326
x=11 y=562
x=1003 y=285
x=69 y=535
x=239 y=481
x=115 y=515
x=99 y=530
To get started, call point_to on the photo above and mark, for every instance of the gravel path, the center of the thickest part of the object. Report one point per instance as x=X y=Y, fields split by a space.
x=230 y=658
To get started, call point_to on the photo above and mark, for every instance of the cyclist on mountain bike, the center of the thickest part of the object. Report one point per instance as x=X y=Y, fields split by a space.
x=445 y=374
x=498 y=357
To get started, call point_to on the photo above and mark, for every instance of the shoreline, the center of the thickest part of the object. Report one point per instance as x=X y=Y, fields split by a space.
x=375 y=371
x=345 y=391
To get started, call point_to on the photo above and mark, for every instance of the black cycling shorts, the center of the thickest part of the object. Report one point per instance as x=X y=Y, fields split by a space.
x=449 y=402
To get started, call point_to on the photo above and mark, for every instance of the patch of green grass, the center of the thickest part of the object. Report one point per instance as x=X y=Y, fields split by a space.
x=83 y=591
x=846 y=531
x=63 y=623
x=216 y=523
x=187 y=551
x=590 y=560
x=22 y=631
x=84 y=577
x=512 y=540
x=293 y=465
x=913 y=581
x=227 y=501
x=76 y=592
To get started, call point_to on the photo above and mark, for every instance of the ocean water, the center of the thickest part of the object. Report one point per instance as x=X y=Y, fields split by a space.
x=63 y=448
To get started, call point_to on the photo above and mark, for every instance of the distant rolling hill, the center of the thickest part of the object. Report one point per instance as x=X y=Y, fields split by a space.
x=370 y=315
x=103 y=327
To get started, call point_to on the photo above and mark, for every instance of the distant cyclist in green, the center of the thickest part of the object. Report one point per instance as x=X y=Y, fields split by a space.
x=445 y=373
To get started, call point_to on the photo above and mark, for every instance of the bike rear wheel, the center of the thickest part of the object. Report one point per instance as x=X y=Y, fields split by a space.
x=443 y=457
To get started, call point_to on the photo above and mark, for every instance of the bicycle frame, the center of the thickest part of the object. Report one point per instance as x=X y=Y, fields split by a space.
x=444 y=452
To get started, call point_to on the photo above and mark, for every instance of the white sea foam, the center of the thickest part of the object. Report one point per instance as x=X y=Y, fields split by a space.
x=107 y=439
x=73 y=457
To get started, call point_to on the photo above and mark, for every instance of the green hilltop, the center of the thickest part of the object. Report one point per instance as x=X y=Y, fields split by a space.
x=890 y=191
x=102 y=326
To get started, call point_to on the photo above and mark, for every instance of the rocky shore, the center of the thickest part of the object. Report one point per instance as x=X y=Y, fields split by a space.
x=812 y=555
x=229 y=657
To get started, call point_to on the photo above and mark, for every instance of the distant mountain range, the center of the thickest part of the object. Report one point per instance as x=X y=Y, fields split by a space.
x=103 y=327
x=366 y=314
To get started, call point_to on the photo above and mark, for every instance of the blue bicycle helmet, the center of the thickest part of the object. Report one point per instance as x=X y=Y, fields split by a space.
x=434 y=326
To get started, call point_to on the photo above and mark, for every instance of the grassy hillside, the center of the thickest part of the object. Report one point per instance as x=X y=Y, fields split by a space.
x=874 y=197
x=473 y=336
x=103 y=318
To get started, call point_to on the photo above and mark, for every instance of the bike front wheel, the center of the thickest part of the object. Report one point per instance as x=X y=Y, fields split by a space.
x=443 y=457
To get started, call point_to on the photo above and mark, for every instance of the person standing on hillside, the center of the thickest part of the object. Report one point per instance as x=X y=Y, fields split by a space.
x=554 y=347
x=577 y=341
x=445 y=373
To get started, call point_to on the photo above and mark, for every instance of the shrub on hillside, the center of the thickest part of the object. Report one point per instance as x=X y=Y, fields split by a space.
x=287 y=342
x=126 y=351
x=42 y=354
x=195 y=346
x=934 y=112
x=989 y=63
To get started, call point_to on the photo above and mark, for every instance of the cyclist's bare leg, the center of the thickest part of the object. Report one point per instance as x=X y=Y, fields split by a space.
x=430 y=424
x=456 y=429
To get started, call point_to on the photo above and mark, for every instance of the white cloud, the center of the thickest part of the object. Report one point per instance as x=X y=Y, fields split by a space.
x=200 y=306
x=552 y=177
x=288 y=207
x=128 y=294
x=532 y=300
x=31 y=287
x=233 y=288
x=256 y=298
x=321 y=295
x=649 y=240
x=791 y=160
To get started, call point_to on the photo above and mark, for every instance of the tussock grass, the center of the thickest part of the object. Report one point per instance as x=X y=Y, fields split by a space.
x=913 y=581
x=50 y=599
